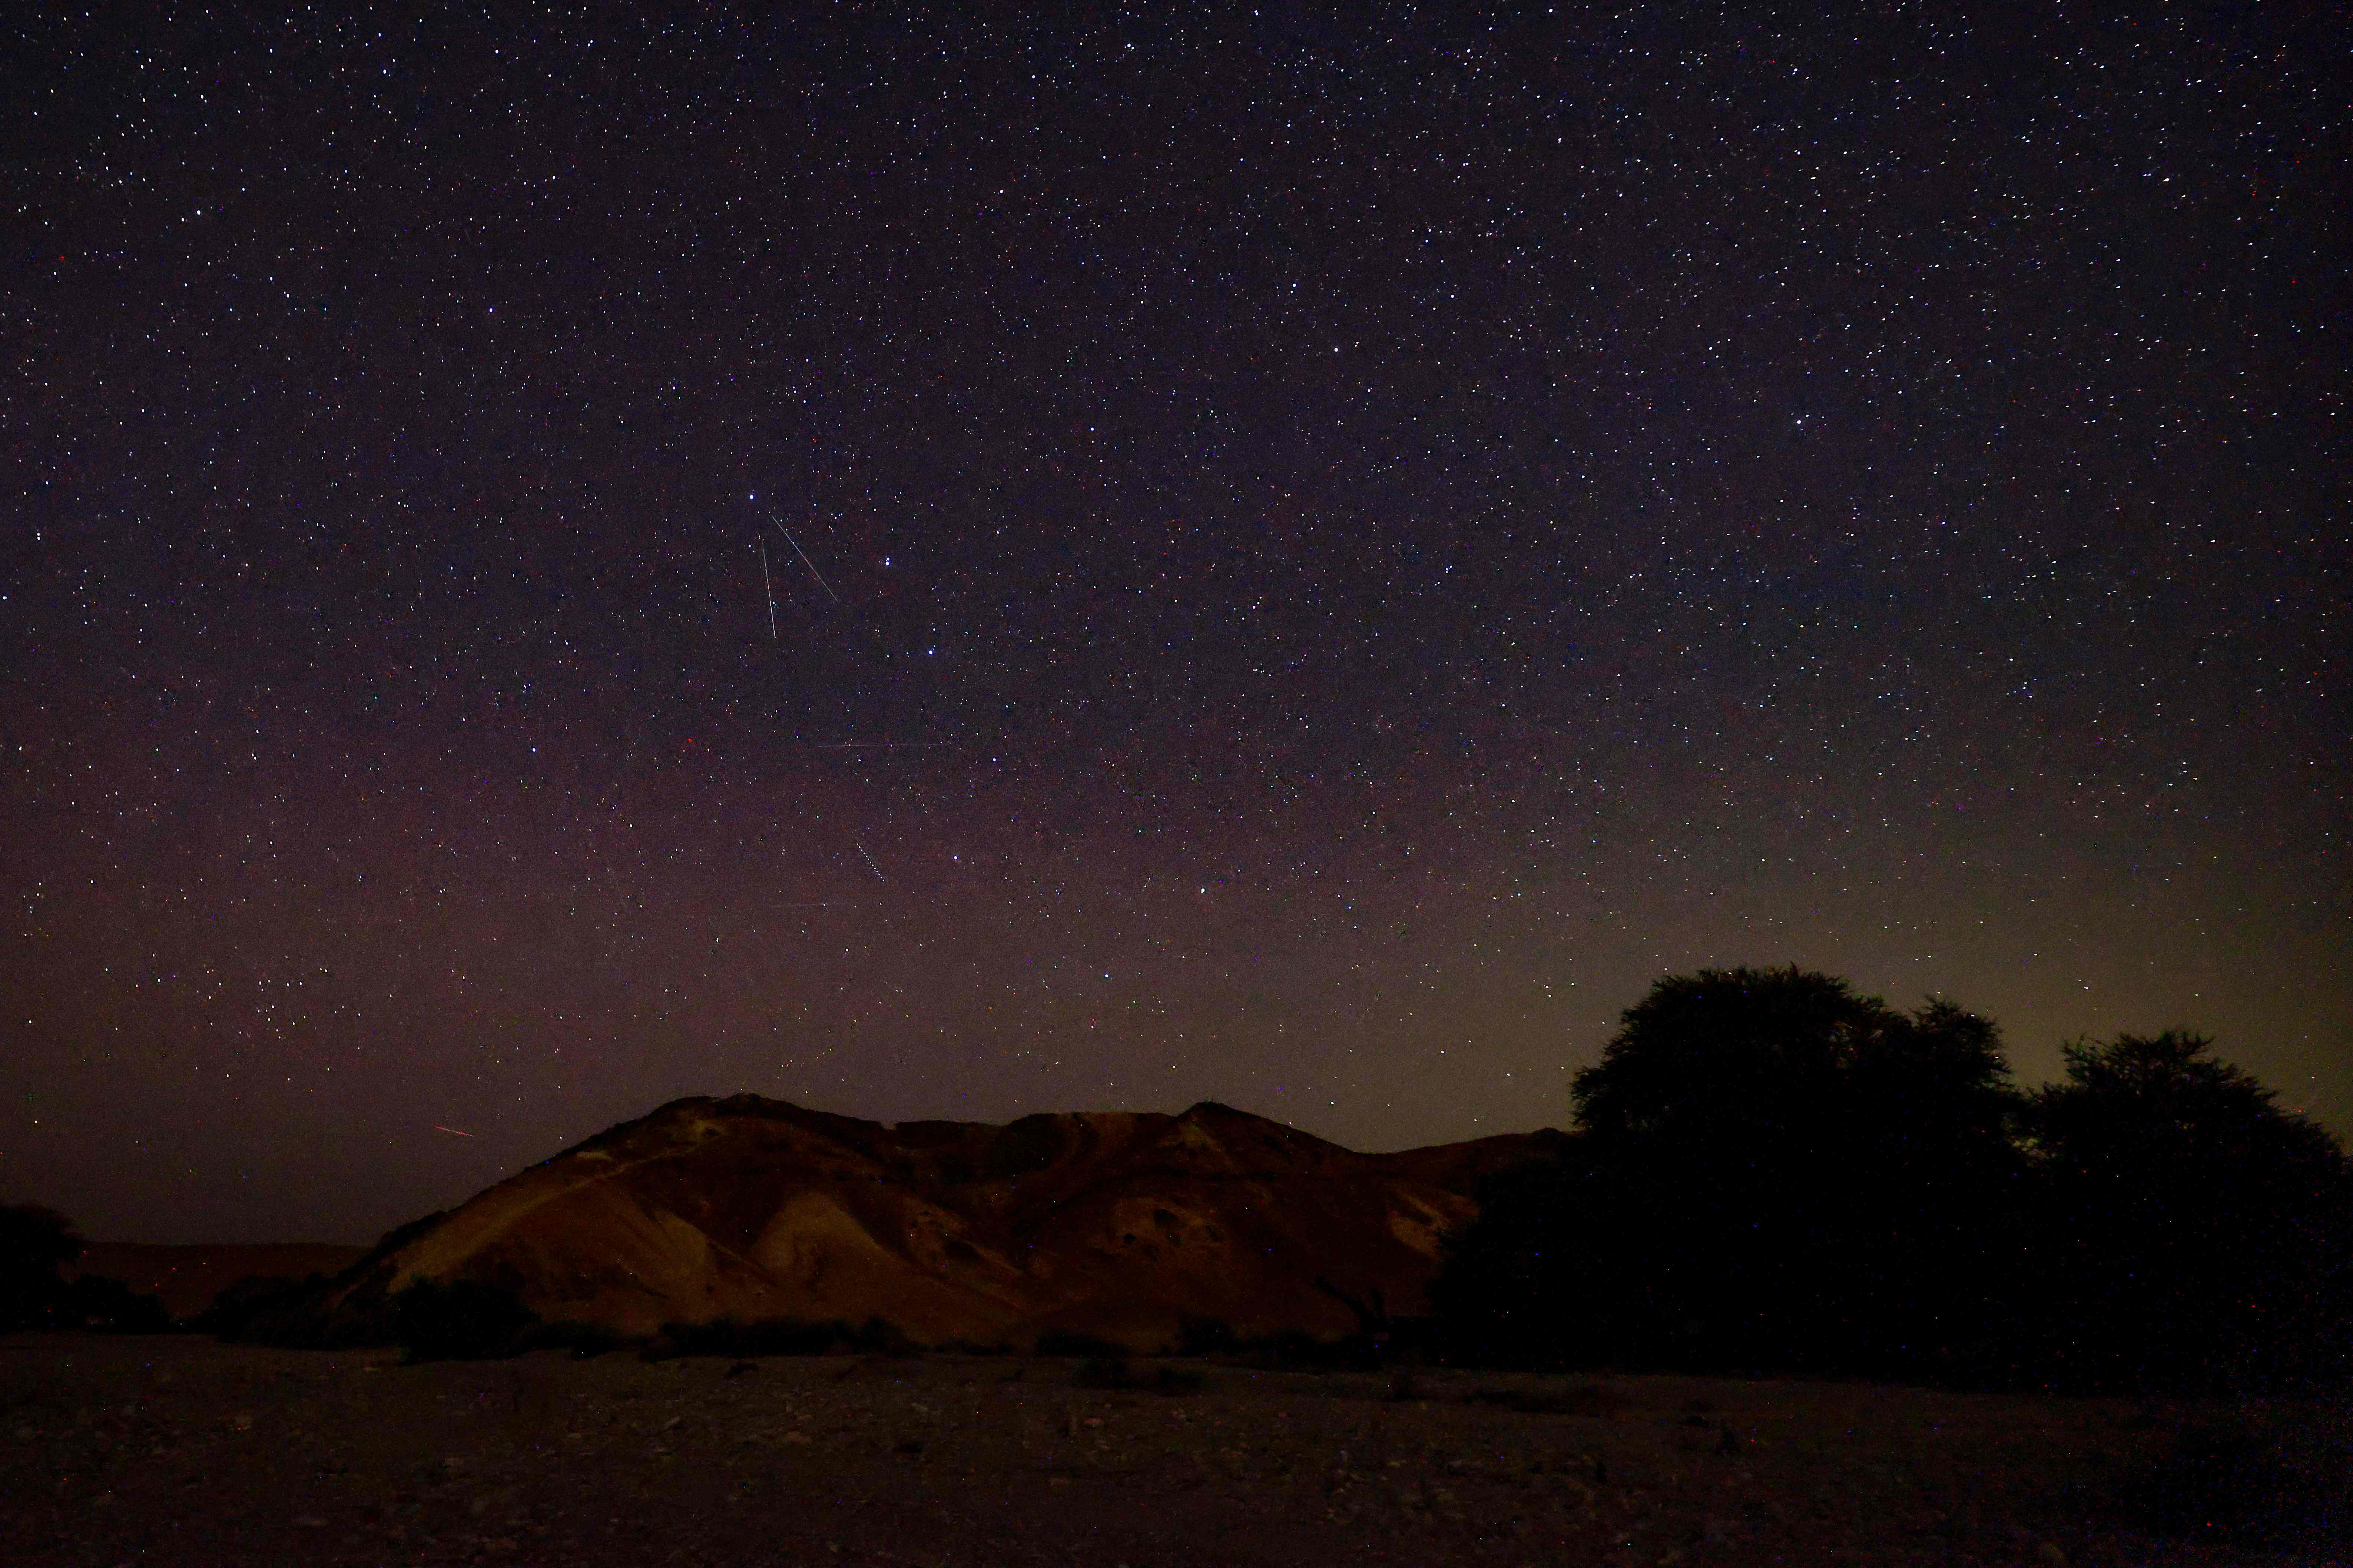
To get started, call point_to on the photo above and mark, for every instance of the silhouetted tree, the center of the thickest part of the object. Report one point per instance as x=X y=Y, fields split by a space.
x=2190 y=1234
x=1513 y=1287
x=1772 y=1171
x=35 y=1243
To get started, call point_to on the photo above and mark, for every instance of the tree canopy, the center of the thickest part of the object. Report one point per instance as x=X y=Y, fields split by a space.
x=35 y=1242
x=1773 y=1172
x=2189 y=1234
x=1774 y=1062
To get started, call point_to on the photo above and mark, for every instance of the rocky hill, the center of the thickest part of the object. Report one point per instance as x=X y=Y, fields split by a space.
x=1118 y=1226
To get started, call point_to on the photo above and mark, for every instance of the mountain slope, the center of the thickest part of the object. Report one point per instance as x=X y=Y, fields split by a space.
x=1117 y=1225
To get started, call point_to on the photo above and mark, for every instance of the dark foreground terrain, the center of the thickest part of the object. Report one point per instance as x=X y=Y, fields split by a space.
x=182 y=1450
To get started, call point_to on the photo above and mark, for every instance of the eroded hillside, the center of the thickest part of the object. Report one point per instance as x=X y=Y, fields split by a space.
x=1117 y=1225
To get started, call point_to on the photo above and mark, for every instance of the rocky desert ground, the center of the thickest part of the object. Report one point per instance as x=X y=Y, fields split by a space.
x=177 y=1450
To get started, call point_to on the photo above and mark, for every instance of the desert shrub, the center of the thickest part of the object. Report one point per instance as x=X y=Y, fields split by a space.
x=1295 y=1350
x=1291 y=1348
x=789 y=1336
x=584 y=1341
x=1206 y=1336
x=236 y=1312
x=109 y=1306
x=1104 y=1372
x=879 y=1336
x=735 y=1340
x=1085 y=1346
x=460 y=1319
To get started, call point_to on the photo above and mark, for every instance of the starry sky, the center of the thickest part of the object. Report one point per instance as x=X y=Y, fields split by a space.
x=961 y=562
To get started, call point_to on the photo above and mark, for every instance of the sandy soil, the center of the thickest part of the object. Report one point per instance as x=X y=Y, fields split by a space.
x=181 y=1450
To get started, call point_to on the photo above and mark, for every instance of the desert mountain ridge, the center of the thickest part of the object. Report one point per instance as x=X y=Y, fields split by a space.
x=1121 y=1226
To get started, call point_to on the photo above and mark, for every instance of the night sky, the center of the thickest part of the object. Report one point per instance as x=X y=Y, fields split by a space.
x=1312 y=560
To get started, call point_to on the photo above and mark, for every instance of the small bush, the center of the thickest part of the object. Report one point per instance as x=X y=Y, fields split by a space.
x=1295 y=1350
x=1081 y=1345
x=234 y=1310
x=879 y=1336
x=266 y=1310
x=1104 y=1372
x=460 y=1319
x=584 y=1341
x=1206 y=1336
x=110 y=1307
x=736 y=1340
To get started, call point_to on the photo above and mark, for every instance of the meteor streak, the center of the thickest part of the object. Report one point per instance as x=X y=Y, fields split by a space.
x=810 y=563
x=769 y=589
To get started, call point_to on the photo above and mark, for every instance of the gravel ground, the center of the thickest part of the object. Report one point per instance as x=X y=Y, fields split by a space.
x=180 y=1450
